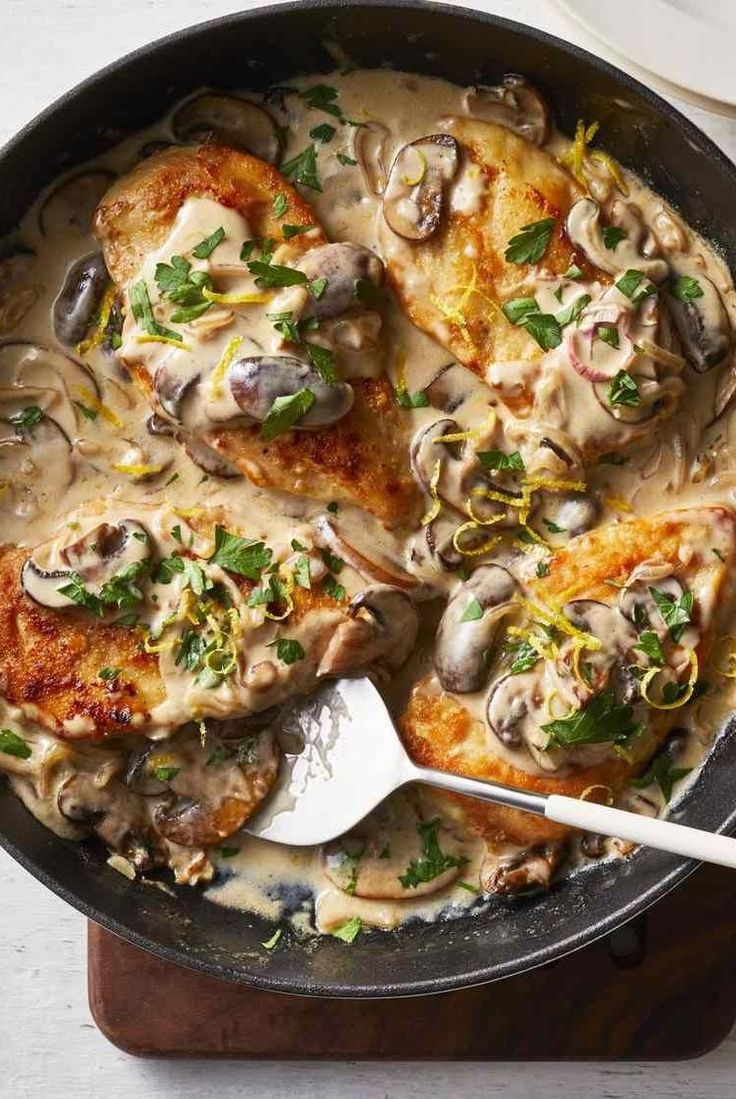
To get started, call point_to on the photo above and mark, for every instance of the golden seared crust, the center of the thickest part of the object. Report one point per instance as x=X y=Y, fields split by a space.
x=439 y=732
x=359 y=460
x=135 y=216
x=461 y=269
x=363 y=458
x=51 y=659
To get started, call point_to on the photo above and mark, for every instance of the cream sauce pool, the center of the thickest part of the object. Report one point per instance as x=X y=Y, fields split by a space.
x=689 y=459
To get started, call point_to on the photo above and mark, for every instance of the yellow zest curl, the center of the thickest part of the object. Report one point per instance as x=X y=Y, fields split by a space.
x=466 y=528
x=136 y=470
x=88 y=398
x=692 y=680
x=236 y=299
x=410 y=181
x=163 y=339
x=218 y=374
x=617 y=503
x=436 y=507
x=102 y=322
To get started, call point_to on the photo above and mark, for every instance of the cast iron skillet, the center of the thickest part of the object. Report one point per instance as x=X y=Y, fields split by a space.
x=251 y=51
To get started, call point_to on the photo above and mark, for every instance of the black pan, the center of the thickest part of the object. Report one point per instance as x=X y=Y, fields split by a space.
x=252 y=51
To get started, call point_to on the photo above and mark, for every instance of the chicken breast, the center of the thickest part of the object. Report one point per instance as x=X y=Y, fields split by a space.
x=596 y=610
x=358 y=458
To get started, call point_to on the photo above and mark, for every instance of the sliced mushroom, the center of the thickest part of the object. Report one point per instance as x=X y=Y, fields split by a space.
x=584 y=230
x=414 y=197
x=228 y=120
x=344 y=265
x=453 y=386
x=79 y=298
x=171 y=386
x=382 y=627
x=529 y=870
x=69 y=205
x=64 y=379
x=213 y=795
x=425 y=451
x=36 y=457
x=465 y=636
x=372 y=563
x=208 y=459
x=256 y=382
x=108 y=549
x=515 y=708
x=514 y=104
x=114 y=813
x=44 y=586
x=370 y=142
x=702 y=322
x=610 y=627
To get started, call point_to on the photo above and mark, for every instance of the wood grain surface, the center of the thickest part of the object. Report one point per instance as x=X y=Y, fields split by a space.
x=661 y=988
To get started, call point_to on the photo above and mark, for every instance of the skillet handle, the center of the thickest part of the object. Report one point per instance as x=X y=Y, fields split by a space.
x=663 y=834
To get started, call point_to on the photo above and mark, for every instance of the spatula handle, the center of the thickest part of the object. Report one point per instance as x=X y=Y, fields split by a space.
x=663 y=834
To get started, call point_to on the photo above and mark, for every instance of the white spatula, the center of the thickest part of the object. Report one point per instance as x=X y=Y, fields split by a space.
x=352 y=759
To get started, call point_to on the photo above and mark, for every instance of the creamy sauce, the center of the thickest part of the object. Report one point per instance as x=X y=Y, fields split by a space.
x=109 y=455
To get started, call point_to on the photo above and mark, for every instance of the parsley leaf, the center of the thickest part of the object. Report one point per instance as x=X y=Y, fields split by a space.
x=525 y=656
x=206 y=247
x=324 y=132
x=496 y=459
x=333 y=588
x=531 y=243
x=685 y=288
x=13 y=745
x=140 y=304
x=433 y=861
x=28 y=418
x=290 y=231
x=108 y=673
x=347 y=161
x=649 y=645
x=573 y=272
x=285 y=412
x=553 y=528
x=243 y=556
x=302 y=168
x=603 y=719
x=676 y=613
x=473 y=611
x=349 y=930
x=623 y=390
x=609 y=334
x=323 y=362
x=545 y=329
x=517 y=310
x=664 y=773
x=571 y=313
x=405 y=399
x=288 y=650
x=321 y=97
x=542 y=569
x=280 y=204
x=164 y=773
x=269 y=275
x=332 y=561
x=631 y=287
x=612 y=237
x=302 y=573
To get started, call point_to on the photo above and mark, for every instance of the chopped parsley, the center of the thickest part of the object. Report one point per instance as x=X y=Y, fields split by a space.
x=280 y=204
x=553 y=528
x=108 y=673
x=324 y=133
x=349 y=930
x=13 y=745
x=542 y=569
x=517 y=310
x=473 y=611
x=25 y=420
x=285 y=412
x=631 y=287
x=322 y=97
x=612 y=237
x=140 y=304
x=530 y=245
x=271 y=275
x=332 y=561
x=331 y=586
x=333 y=507
x=524 y=656
x=663 y=772
x=88 y=413
x=288 y=650
x=345 y=160
x=685 y=288
x=192 y=646
x=405 y=399
x=271 y=943
x=290 y=231
x=265 y=245
x=623 y=390
x=433 y=861
x=545 y=329
x=164 y=773
x=323 y=362
x=649 y=644
x=603 y=719
x=302 y=168
x=244 y=556
x=676 y=613
x=573 y=272
x=206 y=247
x=497 y=460
x=609 y=334
x=571 y=313
x=302 y=573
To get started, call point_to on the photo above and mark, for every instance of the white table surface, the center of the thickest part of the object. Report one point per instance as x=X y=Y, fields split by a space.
x=49 y=1046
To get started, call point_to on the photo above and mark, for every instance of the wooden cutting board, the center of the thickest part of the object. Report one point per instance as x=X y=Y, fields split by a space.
x=661 y=988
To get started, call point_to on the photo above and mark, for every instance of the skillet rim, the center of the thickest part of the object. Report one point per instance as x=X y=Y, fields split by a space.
x=678 y=869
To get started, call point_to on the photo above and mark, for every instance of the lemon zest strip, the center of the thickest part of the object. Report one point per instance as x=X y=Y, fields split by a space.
x=93 y=402
x=436 y=507
x=218 y=374
x=647 y=679
x=163 y=339
x=236 y=299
